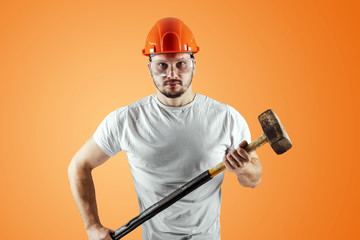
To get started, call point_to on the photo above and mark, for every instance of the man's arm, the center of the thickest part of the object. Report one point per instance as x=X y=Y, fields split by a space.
x=82 y=186
x=247 y=167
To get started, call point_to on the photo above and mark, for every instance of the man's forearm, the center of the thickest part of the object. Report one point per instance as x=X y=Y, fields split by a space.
x=82 y=187
x=250 y=175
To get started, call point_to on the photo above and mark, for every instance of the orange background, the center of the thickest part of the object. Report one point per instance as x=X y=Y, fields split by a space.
x=64 y=65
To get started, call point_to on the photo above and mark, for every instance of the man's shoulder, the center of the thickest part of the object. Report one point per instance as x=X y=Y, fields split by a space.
x=131 y=108
x=141 y=103
x=220 y=107
x=214 y=104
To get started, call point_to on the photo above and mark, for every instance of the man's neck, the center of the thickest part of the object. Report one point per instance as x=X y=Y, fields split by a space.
x=184 y=99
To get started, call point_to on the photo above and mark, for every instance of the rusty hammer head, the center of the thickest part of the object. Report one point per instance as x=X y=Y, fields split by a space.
x=274 y=132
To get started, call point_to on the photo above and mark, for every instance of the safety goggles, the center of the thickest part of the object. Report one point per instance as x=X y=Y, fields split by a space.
x=163 y=67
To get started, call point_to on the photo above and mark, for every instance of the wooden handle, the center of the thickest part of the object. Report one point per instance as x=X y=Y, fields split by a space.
x=249 y=148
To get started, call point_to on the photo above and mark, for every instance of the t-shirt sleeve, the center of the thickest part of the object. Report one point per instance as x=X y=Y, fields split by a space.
x=238 y=129
x=108 y=134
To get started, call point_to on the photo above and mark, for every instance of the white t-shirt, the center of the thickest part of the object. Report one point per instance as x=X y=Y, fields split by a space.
x=166 y=147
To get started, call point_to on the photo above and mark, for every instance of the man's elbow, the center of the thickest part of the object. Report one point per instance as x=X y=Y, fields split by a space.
x=72 y=170
x=77 y=168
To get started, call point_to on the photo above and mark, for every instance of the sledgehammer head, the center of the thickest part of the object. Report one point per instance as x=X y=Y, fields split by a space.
x=274 y=132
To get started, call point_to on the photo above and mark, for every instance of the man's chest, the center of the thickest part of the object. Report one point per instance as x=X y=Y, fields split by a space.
x=177 y=140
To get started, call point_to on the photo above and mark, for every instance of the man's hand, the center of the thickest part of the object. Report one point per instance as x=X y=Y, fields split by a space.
x=237 y=159
x=247 y=167
x=99 y=233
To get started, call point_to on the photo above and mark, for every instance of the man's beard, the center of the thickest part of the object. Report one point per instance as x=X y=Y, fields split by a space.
x=176 y=94
x=173 y=95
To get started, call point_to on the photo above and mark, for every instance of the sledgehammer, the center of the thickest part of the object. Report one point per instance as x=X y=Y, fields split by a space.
x=274 y=133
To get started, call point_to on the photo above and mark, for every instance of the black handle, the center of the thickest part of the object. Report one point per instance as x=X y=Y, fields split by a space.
x=161 y=205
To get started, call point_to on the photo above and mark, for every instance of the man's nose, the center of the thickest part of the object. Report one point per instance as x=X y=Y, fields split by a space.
x=173 y=73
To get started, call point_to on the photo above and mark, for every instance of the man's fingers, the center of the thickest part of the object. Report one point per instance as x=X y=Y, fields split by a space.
x=235 y=155
x=110 y=231
x=228 y=166
x=243 y=144
x=237 y=158
x=234 y=159
x=231 y=159
x=245 y=156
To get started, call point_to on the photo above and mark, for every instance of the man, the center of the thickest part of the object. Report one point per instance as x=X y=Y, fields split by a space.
x=170 y=137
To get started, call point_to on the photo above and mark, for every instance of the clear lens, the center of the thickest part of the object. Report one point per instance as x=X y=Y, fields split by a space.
x=163 y=68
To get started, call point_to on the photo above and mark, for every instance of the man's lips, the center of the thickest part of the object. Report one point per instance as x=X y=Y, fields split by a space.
x=172 y=83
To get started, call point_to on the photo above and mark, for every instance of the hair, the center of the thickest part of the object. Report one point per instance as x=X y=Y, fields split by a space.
x=191 y=56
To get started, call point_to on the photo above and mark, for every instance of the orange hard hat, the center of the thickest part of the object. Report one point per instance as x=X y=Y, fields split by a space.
x=170 y=35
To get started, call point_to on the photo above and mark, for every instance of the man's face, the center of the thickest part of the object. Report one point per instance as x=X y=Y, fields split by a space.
x=172 y=73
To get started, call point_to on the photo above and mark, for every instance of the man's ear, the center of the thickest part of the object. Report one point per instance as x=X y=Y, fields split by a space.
x=148 y=64
x=194 y=65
